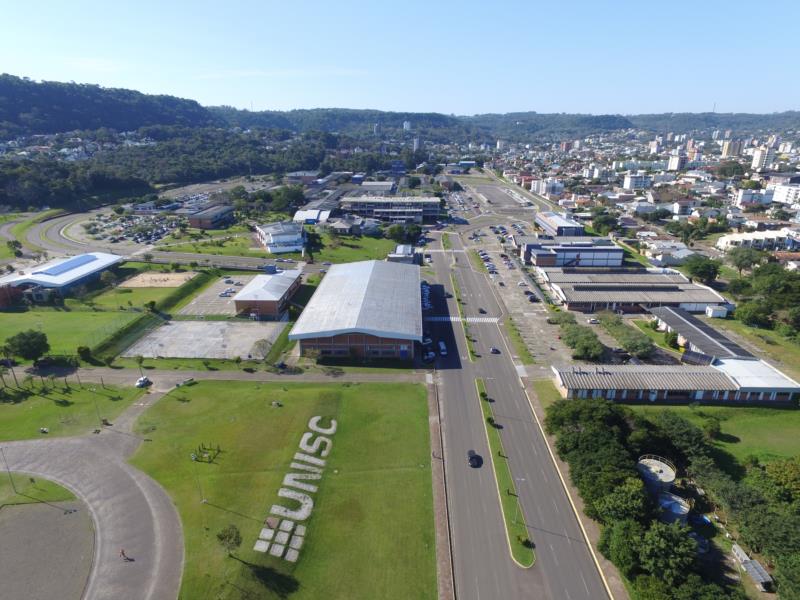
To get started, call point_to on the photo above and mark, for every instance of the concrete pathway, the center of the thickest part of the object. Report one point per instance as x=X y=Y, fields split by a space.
x=128 y=509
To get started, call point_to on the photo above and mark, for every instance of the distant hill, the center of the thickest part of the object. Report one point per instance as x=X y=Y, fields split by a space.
x=28 y=107
x=685 y=122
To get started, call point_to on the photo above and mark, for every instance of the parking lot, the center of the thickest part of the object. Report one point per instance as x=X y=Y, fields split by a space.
x=218 y=339
x=209 y=301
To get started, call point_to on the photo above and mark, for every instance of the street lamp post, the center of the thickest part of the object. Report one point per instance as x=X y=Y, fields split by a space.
x=8 y=470
x=516 y=510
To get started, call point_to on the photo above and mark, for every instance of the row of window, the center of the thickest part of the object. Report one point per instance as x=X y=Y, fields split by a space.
x=652 y=395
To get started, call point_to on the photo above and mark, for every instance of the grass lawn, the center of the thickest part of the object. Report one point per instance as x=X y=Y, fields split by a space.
x=118 y=298
x=509 y=502
x=66 y=330
x=30 y=490
x=371 y=532
x=346 y=248
x=768 y=433
x=242 y=245
x=520 y=347
x=64 y=411
x=546 y=392
x=767 y=344
x=657 y=336
x=188 y=364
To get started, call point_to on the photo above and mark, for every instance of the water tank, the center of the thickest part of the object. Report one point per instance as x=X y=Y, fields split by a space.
x=674 y=509
x=658 y=473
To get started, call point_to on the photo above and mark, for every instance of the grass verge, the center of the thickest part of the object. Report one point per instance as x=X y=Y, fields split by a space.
x=371 y=532
x=20 y=230
x=518 y=539
x=520 y=347
x=545 y=391
x=281 y=345
x=457 y=293
x=446 y=243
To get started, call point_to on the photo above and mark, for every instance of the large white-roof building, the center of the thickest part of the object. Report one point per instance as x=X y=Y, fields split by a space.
x=62 y=273
x=369 y=309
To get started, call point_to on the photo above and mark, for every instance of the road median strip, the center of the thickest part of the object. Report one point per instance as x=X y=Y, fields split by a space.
x=457 y=293
x=519 y=542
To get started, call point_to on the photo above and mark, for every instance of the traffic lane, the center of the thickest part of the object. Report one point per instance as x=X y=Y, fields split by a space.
x=561 y=549
x=482 y=563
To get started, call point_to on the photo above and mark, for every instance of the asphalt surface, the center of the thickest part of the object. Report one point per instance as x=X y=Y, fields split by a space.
x=483 y=567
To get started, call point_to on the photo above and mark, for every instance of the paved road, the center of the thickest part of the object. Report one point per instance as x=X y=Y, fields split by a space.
x=50 y=235
x=483 y=567
x=128 y=509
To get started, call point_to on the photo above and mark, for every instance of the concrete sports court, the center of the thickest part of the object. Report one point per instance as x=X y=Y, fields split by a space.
x=208 y=339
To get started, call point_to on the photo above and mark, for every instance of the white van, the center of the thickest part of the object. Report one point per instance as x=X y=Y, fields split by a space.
x=442 y=349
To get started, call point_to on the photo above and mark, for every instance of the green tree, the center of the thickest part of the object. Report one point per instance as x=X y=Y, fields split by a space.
x=744 y=259
x=30 y=344
x=626 y=501
x=788 y=576
x=702 y=268
x=108 y=278
x=667 y=552
x=619 y=543
x=755 y=314
x=414 y=182
x=230 y=539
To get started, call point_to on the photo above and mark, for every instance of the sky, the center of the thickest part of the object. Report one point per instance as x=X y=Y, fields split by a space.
x=621 y=57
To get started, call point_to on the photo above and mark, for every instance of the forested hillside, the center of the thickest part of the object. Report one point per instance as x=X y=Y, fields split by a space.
x=28 y=107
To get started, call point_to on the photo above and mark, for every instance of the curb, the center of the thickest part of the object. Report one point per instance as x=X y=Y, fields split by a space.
x=569 y=496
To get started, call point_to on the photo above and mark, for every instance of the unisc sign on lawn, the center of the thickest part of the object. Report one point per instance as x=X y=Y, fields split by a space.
x=283 y=535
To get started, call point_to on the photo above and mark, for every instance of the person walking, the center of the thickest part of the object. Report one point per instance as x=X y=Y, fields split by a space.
x=122 y=555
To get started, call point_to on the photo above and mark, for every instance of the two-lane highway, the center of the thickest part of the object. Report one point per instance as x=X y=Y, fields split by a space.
x=483 y=567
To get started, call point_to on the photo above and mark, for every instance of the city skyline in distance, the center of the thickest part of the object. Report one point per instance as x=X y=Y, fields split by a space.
x=461 y=59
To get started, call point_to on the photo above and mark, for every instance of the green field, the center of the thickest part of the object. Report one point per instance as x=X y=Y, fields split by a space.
x=516 y=529
x=242 y=245
x=121 y=299
x=768 y=433
x=66 y=330
x=30 y=490
x=64 y=411
x=371 y=531
x=346 y=248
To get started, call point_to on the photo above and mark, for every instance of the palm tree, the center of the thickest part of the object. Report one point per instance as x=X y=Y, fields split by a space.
x=6 y=351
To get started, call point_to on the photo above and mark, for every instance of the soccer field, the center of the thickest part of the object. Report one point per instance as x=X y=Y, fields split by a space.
x=370 y=533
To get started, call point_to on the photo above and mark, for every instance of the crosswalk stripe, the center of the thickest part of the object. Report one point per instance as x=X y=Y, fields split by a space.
x=452 y=319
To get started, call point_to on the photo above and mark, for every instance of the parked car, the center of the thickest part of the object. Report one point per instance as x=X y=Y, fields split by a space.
x=494 y=350
x=592 y=321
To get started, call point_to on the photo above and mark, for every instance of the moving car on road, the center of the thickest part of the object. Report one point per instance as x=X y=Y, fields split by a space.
x=474 y=459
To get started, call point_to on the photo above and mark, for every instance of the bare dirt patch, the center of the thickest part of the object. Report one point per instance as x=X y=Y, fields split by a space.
x=158 y=280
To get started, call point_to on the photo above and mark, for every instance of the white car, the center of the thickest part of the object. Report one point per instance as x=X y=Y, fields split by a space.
x=592 y=321
x=522 y=284
x=143 y=382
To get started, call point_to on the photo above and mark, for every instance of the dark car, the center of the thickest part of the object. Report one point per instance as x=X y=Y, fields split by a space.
x=532 y=299
x=474 y=459
x=494 y=350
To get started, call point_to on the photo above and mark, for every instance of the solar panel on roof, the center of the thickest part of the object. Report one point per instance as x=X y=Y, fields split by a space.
x=68 y=265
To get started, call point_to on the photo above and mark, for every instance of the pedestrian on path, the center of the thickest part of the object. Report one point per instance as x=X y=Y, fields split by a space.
x=122 y=555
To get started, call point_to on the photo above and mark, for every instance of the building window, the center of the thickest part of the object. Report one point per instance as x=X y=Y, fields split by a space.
x=611 y=394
